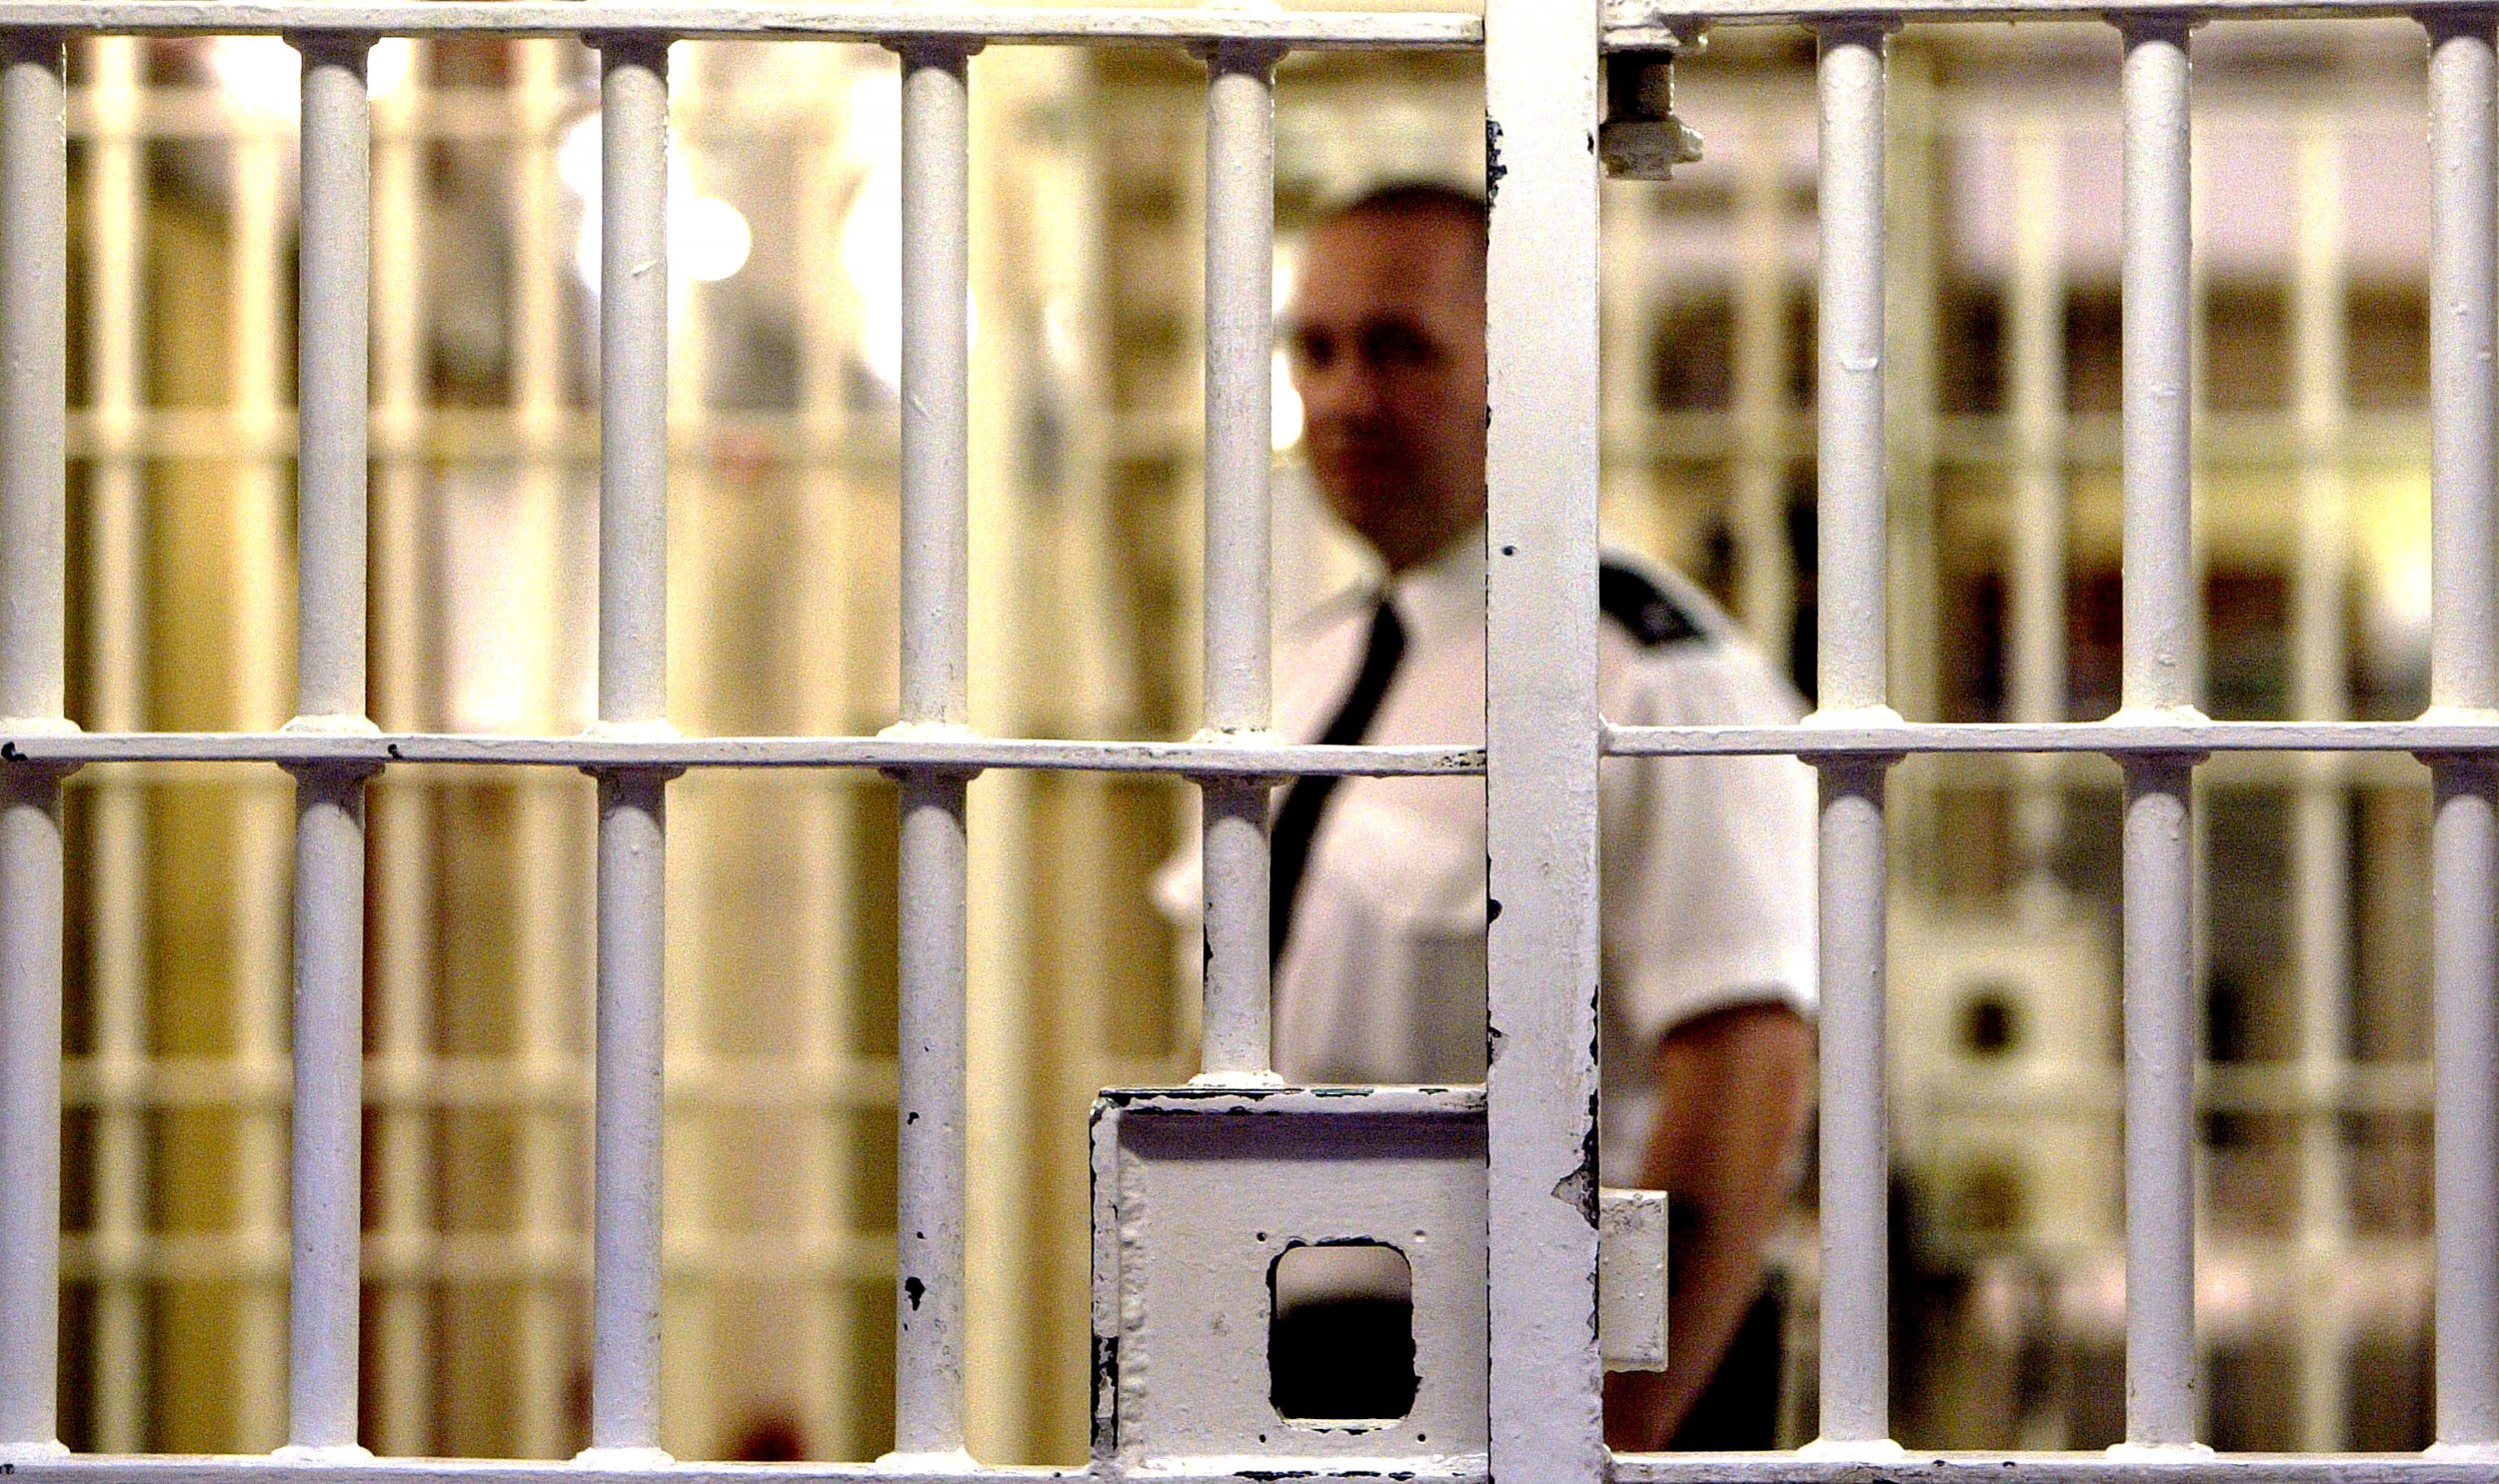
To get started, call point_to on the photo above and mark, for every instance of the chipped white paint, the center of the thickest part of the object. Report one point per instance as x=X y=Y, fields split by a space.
x=1234 y=1041
x=1631 y=1279
x=1542 y=733
x=1196 y=1195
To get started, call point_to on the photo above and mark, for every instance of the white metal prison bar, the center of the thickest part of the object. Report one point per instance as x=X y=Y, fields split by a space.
x=117 y=885
x=1241 y=230
x=1540 y=720
x=2159 y=680
x=791 y=19
x=1626 y=23
x=632 y=699
x=1645 y=1468
x=1541 y=776
x=324 y=1298
x=34 y=263
x=2464 y=679
x=935 y=659
x=1851 y=666
x=2112 y=739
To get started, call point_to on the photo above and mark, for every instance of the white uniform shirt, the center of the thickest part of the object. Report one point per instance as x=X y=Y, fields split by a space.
x=1706 y=863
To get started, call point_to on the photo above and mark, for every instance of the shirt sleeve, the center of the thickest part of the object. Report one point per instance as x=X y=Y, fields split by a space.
x=1708 y=874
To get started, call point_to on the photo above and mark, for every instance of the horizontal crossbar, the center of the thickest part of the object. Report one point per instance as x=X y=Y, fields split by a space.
x=1634 y=24
x=2118 y=1466
x=2111 y=739
x=1629 y=24
x=2166 y=1466
x=263 y=1469
x=1237 y=760
x=615 y=753
x=756 y=20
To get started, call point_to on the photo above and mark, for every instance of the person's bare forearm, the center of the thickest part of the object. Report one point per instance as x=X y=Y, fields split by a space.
x=1717 y=1252
x=1728 y=1104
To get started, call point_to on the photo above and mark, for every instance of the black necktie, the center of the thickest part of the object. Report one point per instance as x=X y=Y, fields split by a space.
x=1298 y=821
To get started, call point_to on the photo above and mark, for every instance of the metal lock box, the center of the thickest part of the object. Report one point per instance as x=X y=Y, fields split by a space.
x=1197 y=1192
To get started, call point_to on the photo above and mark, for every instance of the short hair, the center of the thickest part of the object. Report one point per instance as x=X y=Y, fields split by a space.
x=1409 y=200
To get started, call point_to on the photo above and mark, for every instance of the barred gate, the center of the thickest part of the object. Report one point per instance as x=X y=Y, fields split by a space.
x=1544 y=736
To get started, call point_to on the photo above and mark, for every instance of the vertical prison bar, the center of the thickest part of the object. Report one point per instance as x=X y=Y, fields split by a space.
x=116 y=660
x=835 y=1328
x=1766 y=566
x=327 y=1188
x=1240 y=232
x=687 y=1408
x=2321 y=832
x=261 y=835
x=1540 y=729
x=934 y=858
x=34 y=264
x=329 y=1064
x=401 y=808
x=2160 y=662
x=543 y=861
x=1851 y=666
x=633 y=675
x=2464 y=679
x=2035 y=377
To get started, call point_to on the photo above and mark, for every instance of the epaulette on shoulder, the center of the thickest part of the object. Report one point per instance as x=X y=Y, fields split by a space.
x=1644 y=610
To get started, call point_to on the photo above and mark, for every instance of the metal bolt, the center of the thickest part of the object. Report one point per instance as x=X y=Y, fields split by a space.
x=1641 y=139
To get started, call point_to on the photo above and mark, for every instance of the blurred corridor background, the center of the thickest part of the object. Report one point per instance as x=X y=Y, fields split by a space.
x=2312 y=500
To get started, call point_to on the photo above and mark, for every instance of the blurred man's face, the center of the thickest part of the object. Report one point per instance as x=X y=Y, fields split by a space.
x=1386 y=333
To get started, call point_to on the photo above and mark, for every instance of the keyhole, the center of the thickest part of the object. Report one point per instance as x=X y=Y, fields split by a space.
x=1341 y=1347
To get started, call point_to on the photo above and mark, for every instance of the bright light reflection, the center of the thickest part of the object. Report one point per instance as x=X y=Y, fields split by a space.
x=263 y=76
x=1284 y=416
x=1285 y=420
x=258 y=74
x=388 y=65
x=872 y=123
x=1283 y=274
x=2392 y=522
x=872 y=258
x=709 y=239
x=870 y=245
x=1060 y=334
x=577 y=159
x=871 y=229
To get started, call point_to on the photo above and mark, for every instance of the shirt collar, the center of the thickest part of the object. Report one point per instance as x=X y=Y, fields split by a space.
x=1442 y=598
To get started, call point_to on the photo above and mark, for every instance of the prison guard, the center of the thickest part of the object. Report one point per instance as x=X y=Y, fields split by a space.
x=1706 y=874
